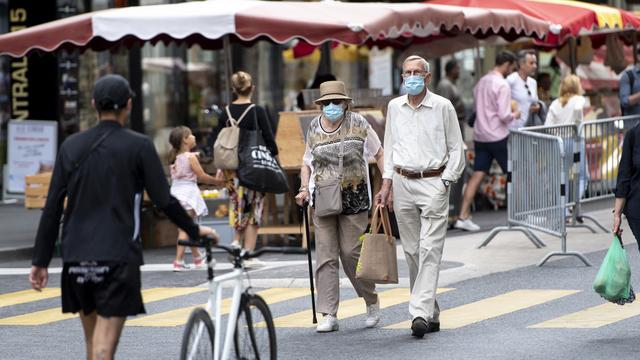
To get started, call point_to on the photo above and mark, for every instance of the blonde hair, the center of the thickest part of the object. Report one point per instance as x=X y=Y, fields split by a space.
x=241 y=83
x=569 y=87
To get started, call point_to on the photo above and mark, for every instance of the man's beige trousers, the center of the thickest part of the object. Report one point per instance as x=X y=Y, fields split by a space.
x=421 y=207
x=338 y=237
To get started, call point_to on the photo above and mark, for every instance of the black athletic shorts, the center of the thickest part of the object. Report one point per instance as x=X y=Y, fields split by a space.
x=485 y=152
x=111 y=289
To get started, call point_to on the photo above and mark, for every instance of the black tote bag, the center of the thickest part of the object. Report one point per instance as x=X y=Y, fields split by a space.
x=258 y=170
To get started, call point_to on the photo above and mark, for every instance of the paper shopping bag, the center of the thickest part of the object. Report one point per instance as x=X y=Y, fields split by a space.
x=378 y=261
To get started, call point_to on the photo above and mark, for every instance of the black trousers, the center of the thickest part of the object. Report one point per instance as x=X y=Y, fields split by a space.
x=634 y=224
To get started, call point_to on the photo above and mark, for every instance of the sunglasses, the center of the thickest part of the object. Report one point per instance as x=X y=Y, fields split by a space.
x=333 y=101
x=527 y=87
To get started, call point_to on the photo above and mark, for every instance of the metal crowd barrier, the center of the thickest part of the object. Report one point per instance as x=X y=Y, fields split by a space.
x=556 y=168
x=536 y=190
x=602 y=150
x=576 y=177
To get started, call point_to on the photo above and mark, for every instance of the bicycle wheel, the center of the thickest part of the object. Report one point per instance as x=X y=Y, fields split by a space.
x=197 y=341
x=255 y=336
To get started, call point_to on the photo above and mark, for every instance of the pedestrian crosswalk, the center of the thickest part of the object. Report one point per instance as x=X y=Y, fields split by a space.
x=593 y=317
x=282 y=299
x=349 y=308
x=179 y=316
x=26 y=296
x=52 y=315
x=492 y=307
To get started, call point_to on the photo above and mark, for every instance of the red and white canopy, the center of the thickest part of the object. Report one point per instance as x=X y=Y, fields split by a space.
x=568 y=18
x=206 y=22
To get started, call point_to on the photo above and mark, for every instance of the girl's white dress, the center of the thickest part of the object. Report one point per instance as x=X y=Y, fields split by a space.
x=184 y=185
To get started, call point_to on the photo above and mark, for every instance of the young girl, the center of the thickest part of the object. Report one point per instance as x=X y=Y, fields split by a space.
x=185 y=174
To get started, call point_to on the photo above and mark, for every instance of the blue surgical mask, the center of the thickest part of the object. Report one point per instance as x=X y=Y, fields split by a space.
x=333 y=112
x=414 y=84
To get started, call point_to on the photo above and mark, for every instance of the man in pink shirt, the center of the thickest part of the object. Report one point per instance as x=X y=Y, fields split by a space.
x=490 y=131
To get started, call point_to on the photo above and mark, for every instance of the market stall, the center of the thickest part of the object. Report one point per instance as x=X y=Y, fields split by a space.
x=206 y=23
x=568 y=20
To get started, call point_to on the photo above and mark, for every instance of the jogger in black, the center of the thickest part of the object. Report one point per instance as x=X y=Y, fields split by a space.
x=103 y=172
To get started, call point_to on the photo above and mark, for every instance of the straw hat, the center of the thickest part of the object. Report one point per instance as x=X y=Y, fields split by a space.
x=330 y=90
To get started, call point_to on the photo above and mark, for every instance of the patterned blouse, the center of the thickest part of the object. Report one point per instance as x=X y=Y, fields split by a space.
x=321 y=155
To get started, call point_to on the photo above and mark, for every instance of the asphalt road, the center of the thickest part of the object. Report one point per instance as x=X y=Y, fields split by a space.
x=508 y=336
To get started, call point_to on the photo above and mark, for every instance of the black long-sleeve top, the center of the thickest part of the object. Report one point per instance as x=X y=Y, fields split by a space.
x=102 y=216
x=629 y=175
x=257 y=114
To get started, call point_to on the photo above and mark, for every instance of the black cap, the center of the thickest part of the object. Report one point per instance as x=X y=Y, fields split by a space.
x=111 y=92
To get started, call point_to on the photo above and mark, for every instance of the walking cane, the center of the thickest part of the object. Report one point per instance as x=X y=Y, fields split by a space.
x=305 y=215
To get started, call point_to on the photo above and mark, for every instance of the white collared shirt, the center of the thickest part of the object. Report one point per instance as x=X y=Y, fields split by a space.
x=423 y=138
x=523 y=96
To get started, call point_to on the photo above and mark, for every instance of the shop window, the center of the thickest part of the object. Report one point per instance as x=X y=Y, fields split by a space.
x=349 y=64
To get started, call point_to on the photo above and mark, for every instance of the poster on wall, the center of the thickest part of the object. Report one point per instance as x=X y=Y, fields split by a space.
x=381 y=70
x=32 y=146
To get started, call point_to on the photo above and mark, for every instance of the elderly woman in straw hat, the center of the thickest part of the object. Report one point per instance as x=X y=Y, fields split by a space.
x=338 y=130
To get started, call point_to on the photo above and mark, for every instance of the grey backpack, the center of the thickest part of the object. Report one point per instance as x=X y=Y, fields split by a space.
x=225 y=149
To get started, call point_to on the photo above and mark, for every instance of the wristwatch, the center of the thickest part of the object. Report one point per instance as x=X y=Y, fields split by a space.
x=446 y=183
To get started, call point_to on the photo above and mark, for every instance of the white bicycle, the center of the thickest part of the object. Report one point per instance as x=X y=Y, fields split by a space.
x=249 y=326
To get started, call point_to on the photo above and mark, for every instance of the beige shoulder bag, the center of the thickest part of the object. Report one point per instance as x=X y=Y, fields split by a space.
x=225 y=149
x=328 y=193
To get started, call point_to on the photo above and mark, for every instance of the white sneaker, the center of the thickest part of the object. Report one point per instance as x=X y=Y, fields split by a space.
x=373 y=315
x=329 y=323
x=466 y=225
x=253 y=263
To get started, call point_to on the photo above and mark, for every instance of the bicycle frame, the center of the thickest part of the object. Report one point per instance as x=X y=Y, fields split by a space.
x=214 y=302
x=214 y=309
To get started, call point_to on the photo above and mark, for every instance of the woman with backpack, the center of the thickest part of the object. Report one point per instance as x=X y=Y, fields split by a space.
x=245 y=212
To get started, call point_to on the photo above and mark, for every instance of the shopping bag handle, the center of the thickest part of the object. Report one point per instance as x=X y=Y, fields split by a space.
x=619 y=237
x=381 y=217
x=375 y=220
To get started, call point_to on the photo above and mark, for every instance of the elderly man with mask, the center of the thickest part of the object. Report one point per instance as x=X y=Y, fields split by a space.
x=424 y=155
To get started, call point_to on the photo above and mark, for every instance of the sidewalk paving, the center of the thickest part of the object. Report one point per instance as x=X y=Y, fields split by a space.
x=461 y=260
x=18 y=227
x=512 y=250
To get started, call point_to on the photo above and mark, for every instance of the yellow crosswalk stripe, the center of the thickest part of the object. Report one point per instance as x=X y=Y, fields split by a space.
x=26 y=296
x=159 y=294
x=593 y=317
x=492 y=307
x=55 y=314
x=180 y=316
x=349 y=308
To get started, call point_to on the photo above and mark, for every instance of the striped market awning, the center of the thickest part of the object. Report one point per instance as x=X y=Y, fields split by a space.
x=566 y=18
x=206 y=22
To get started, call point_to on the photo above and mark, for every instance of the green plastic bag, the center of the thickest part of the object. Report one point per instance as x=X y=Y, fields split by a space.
x=613 y=279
